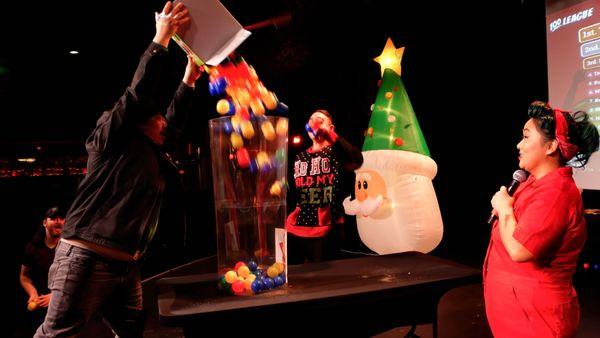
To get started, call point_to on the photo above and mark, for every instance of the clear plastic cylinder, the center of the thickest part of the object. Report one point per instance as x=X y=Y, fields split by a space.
x=249 y=163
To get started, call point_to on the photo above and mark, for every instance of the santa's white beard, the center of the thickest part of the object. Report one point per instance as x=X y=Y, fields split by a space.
x=410 y=219
x=365 y=208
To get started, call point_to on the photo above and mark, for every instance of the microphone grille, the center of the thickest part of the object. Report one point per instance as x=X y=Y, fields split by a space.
x=519 y=175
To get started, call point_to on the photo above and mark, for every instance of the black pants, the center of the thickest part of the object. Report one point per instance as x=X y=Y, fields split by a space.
x=313 y=249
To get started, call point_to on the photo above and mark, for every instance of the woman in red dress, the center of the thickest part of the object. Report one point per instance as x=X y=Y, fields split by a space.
x=540 y=231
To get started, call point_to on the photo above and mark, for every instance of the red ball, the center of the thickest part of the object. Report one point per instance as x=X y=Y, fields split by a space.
x=244 y=113
x=398 y=141
x=238 y=286
x=586 y=266
x=243 y=158
x=238 y=265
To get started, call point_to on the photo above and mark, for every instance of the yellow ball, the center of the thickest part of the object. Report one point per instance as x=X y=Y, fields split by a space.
x=31 y=306
x=272 y=272
x=280 y=267
x=275 y=189
x=223 y=107
x=257 y=108
x=231 y=277
x=270 y=100
x=236 y=141
x=389 y=95
x=282 y=127
x=248 y=284
x=243 y=271
x=262 y=159
x=247 y=129
x=268 y=130
x=243 y=96
x=251 y=277
x=235 y=122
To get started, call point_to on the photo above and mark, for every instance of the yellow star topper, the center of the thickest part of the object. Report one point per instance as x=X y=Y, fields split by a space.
x=390 y=57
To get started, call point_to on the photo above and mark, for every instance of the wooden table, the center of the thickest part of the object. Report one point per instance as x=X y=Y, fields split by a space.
x=358 y=296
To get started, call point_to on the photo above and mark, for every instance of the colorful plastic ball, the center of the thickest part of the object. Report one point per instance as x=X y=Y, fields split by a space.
x=270 y=100
x=259 y=272
x=389 y=95
x=248 y=285
x=282 y=127
x=243 y=158
x=262 y=159
x=253 y=167
x=251 y=277
x=243 y=271
x=283 y=277
x=257 y=286
x=225 y=287
x=272 y=272
x=236 y=123
x=236 y=141
x=217 y=87
x=282 y=107
x=257 y=107
x=243 y=96
x=268 y=130
x=278 y=281
x=238 y=286
x=280 y=156
x=231 y=276
x=275 y=189
x=213 y=89
x=269 y=283
x=31 y=306
x=279 y=266
x=227 y=128
x=243 y=113
x=309 y=129
x=252 y=265
x=239 y=265
x=247 y=129
x=223 y=107
x=398 y=142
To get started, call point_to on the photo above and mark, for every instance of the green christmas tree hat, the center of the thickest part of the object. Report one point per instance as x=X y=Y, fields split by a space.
x=393 y=124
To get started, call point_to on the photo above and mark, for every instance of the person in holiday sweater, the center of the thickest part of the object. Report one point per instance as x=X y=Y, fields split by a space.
x=314 y=224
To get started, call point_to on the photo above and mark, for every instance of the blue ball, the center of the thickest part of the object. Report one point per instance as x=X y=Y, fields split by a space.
x=261 y=284
x=309 y=130
x=252 y=265
x=227 y=127
x=221 y=83
x=278 y=281
x=282 y=277
x=281 y=107
x=269 y=283
x=213 y=89
x=256 y=286
x=253 y=167
x=231 y=108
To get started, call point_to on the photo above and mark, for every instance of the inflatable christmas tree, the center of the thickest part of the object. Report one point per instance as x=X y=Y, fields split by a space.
x=395 y=205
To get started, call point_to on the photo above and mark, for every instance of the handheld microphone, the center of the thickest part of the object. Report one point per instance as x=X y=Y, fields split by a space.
x=518 y=177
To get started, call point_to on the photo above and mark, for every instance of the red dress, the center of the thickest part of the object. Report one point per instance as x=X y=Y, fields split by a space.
x=536 y=298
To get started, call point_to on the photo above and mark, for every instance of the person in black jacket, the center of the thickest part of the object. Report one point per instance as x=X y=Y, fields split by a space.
x=115 y=212
x=315 y=225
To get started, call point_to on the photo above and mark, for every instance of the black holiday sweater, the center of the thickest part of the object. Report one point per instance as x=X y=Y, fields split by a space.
x=317 y=182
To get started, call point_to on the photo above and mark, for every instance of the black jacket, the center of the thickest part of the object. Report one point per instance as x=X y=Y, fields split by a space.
x=118 y=202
